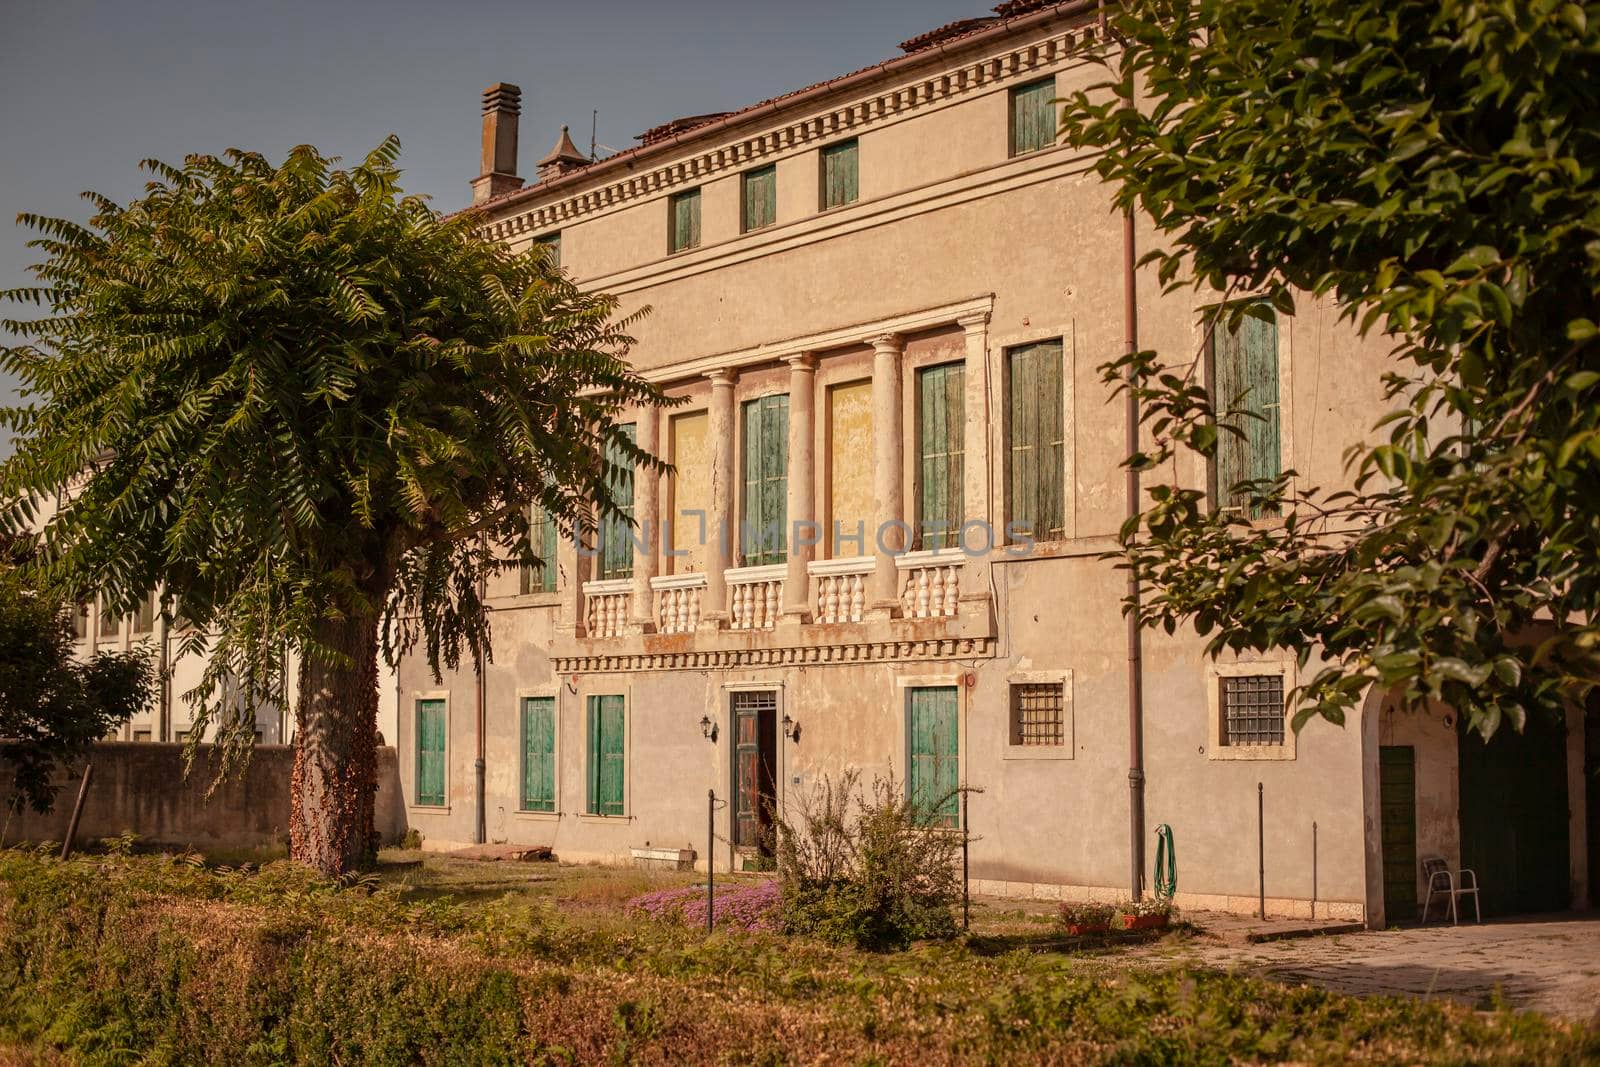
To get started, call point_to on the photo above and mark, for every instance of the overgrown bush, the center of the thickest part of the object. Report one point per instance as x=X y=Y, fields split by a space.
x=869 y=869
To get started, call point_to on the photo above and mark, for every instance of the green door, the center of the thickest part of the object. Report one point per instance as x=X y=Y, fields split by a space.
x=430 y=752
x=606 y=769
x=934 y=746
x=1397 y=798
x=1514 y=817
x=539 y=754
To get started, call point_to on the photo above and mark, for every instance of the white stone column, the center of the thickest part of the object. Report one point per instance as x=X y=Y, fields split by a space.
x=720 y=430
x=975 y=483
x=572 y=570
x=647 y=516
x=888 y=447
x=801 y=501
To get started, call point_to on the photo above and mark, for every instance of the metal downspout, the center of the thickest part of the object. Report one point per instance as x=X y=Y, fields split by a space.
x=1135 y=635
x=480 y=831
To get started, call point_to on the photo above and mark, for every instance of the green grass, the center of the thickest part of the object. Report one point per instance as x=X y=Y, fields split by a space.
x=124 y=959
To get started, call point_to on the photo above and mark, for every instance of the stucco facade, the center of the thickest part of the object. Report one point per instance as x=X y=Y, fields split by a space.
x=957 y=250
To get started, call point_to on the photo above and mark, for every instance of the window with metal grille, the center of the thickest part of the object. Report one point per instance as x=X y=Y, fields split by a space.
x=1038 y=713
x=1252 y=709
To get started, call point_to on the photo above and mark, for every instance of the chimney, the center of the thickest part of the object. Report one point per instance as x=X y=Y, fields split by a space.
x=502 y=103
x=564 y=158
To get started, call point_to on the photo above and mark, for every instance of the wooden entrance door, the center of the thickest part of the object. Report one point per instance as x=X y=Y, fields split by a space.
x=755 y=776
x=1514 y=817
x=1397 y=799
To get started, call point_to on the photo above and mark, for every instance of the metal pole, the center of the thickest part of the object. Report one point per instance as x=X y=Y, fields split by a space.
x=966 y=836
x=1135 y=635
x=711 y=863
x=1313 y=869
x=77 y=810
x=480 y=829
x=1261 y=843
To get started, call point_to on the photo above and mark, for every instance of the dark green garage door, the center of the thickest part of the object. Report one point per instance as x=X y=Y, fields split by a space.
x=1514 y=817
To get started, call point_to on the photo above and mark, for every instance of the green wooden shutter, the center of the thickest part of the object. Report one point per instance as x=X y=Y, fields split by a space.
x=1035 y=458
x=840 y=181
x=606 y=768
x=550 y=245
x=616 y=539
x=764 y=522
x=941 y=454
x=685 y=221
x=542 y=533
x=935 y=747
x=760 y=198
x=1033 y=117
x=430 y=752
x=1244 y=370
x=539 y=754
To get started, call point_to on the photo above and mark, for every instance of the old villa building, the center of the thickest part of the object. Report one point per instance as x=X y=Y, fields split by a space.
x=886 y=299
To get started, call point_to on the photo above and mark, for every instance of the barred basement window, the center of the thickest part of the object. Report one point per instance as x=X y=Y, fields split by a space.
x=1252 y=709
x=1038 y=713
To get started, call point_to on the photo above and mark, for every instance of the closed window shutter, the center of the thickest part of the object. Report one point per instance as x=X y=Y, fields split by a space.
x=605 y=755
x=941 y=447
x=760 y=198
x=1034 y=461
x=1033 y=117
x=935 y=753
x=538 y=754
x=839 y=174
x=1244 y=370
x=616 y=540
x=542 y=534
x=550 y=245
x=763 y=533
x=686 y=220
x=430 y=752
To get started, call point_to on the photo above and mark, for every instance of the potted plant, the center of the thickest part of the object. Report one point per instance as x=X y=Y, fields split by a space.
x=1144 y=915
x=1082 y=917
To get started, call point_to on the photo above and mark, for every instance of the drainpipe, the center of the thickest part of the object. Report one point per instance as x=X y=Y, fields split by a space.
x=480 y=832
x=164 y=727
x=1135 y=636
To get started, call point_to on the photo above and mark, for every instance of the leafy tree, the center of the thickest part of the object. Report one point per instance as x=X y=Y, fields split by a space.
x=1431 y=165
x=52 y=705
x=315 y=411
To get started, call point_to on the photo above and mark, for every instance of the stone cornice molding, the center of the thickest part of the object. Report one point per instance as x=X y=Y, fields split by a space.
x=889 y=104
x=795 y=656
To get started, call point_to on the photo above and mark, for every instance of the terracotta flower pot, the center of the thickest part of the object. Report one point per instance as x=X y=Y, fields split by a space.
x=1080 y=929
x=1143 y=922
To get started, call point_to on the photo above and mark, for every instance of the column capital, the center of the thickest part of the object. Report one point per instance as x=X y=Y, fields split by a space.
x=887 y=342
x=977 y=320
x=723 y=376
x=802 y=361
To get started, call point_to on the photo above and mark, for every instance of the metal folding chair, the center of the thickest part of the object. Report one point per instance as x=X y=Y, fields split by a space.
x=1440 y=880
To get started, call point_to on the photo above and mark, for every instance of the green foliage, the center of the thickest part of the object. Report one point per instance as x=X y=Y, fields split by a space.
x=1431 y=166
x=870 y=871
x=53 y=705
x=296 y=395
x=142 y=959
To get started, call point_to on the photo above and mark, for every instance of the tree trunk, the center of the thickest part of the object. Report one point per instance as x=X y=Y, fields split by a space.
x=335 y=750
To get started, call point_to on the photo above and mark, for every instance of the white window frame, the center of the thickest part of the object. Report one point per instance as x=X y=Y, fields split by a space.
x=1215 y=672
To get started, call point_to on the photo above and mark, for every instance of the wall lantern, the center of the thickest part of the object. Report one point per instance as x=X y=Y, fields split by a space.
x=791 y=729
x=708 y=729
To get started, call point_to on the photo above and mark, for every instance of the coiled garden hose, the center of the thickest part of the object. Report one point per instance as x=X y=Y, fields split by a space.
x=1166 y=863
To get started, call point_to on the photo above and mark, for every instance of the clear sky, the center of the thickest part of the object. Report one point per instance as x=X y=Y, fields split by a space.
x=91 y=88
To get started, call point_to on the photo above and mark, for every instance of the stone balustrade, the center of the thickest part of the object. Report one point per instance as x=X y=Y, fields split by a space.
x=930 y=583
x=606 y=607
x=841 y=588
x=756 y=597
x=678 y=602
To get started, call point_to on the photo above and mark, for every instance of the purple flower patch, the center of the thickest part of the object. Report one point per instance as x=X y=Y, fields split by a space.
x=743 y=907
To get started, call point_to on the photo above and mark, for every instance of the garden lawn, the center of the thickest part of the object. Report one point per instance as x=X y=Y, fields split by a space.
x=121 y=959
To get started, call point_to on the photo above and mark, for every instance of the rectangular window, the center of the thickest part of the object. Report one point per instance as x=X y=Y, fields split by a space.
x=1035 y=474
x=616 y=530
x=542 y=532
x=934 y=747
x=110 y=622
x=683 y=221
x=141 y=735
x=80 y=620
x=605 y=755
x=144 y=620
x=1252 y=709
x=691 y=492
x=181 y=736
x=430 y=753
x=763 y=523
x=1038 y=714
x=941 y=454
x=760 y=198
x=550 y=245
x=539 y=754
x=850 y=504
x=840 y=182
x=1243 y=365
x=1033 y=117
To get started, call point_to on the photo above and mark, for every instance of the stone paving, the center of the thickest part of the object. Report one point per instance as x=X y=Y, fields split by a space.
x=1548 y=964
